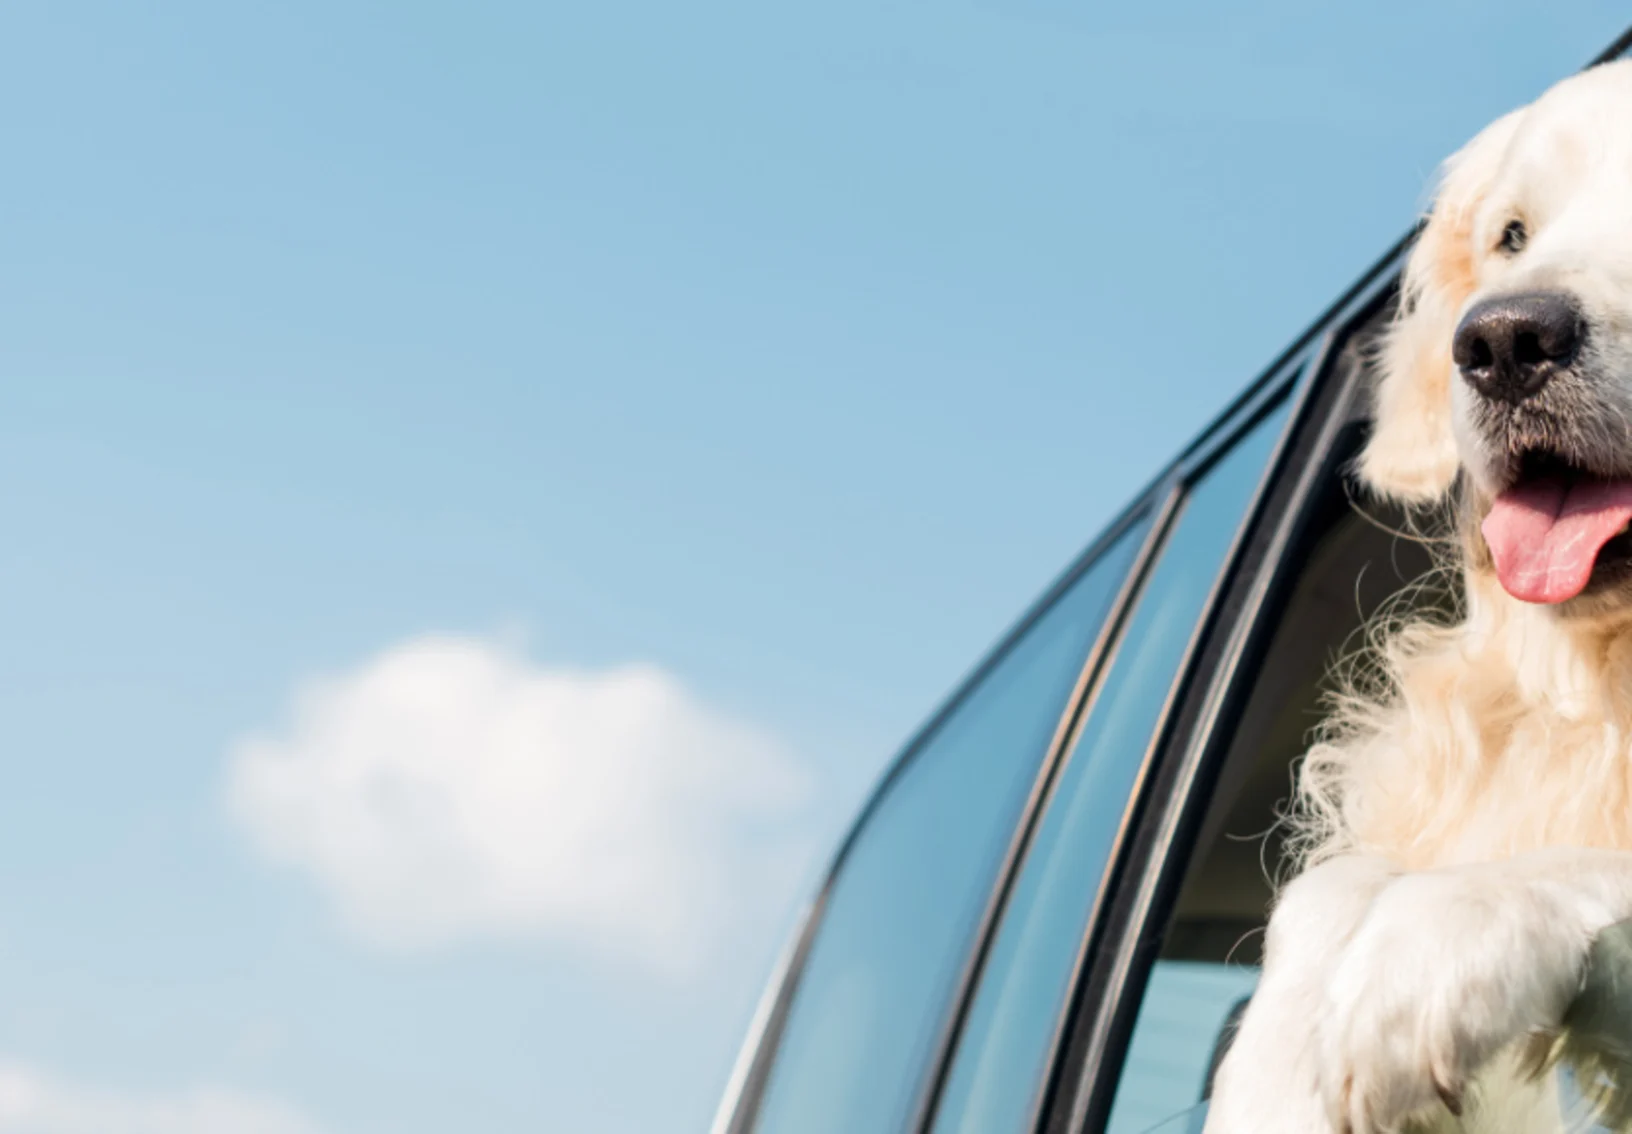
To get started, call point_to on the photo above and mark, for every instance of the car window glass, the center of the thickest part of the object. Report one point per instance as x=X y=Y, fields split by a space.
x=900 y=917
x=1002 y=1058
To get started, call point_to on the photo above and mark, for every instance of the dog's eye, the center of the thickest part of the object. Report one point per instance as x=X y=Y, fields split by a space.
x=1514 y=237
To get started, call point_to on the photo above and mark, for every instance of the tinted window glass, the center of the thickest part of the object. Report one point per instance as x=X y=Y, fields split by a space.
x=898 y=923
x=1003 y=1056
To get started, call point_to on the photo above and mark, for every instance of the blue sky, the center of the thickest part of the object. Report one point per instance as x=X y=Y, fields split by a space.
x=491 y=483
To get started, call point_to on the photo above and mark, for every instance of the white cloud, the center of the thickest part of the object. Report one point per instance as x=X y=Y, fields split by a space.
x=33 y=1102
x=449 y=789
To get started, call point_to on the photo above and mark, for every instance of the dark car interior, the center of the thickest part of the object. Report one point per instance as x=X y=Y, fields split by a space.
x=1363 y=565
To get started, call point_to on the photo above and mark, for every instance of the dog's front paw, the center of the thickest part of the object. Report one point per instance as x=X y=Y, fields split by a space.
x=1448 y=969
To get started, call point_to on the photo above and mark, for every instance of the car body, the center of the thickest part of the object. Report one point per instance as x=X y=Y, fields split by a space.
x=1045 y=917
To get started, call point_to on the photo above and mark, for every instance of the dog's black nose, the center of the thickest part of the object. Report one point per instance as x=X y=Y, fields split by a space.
x=1510 y=347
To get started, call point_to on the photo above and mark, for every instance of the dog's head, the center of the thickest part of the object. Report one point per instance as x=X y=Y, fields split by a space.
x=1511 y=359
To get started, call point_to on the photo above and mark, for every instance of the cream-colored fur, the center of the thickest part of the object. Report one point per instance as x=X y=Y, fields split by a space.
x=1467 y=825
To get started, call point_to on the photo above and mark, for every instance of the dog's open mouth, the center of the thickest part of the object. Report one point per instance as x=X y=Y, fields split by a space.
x=1555 y=526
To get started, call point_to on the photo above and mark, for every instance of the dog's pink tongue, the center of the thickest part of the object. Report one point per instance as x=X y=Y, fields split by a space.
x=1546 y=536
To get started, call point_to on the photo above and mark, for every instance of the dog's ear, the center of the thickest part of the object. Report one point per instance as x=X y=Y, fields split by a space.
x=1411 y=456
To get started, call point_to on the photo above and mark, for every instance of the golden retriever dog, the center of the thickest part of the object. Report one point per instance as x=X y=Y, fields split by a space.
x=1468 y=833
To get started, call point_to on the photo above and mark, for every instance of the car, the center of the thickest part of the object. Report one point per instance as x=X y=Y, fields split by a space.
x=1049 y=913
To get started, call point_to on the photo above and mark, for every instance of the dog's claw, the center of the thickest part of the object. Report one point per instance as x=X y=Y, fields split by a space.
x=1339 y=1107
x=1355 y=1119
x=1447 y=1086
x=1536 y=1053
x=1449 y=1095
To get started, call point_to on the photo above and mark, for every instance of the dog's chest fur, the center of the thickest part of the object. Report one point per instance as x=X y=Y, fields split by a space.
x=1504 y=734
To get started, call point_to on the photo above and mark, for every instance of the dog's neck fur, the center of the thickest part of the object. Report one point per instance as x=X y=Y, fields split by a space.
x=1506 y=732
